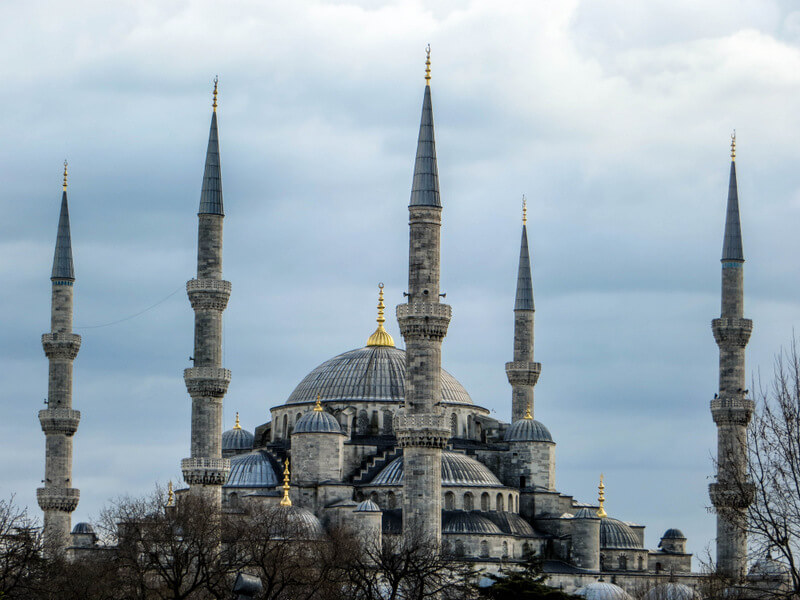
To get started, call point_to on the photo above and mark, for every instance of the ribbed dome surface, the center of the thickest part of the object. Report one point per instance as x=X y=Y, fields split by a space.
x=237 y=439
x=368 y=506
x=673 y=534
x=615 y=534
x=767 y=567
x=468 y=522
x=250 y=471
x=317 y=421
x=586 y=513
x=371 y=373
x=599 y=590
x=301 y=521
x=670 y=591
x=527 y=430
x=82 y=528
x=457 y=470
x=512 y=523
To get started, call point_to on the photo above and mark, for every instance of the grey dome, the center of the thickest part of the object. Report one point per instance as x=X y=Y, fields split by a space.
x=468 y=522
x=374 y=373
x=527 y=430
x=512 y=523
x=83 y=527
x=767 y=568
x=616 y=534
x=673 y=534
x=670 y=591
x=367 y=506
x=457 y=470
x=300 y=521
x=600 y=590
x=317 y=421
x=237 y=439
x=586 y=513
x=251 y=470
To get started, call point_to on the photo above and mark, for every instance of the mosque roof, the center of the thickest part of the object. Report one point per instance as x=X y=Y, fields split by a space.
x=62 y=258
x=317 y=421
x=237 y=438
x=586 y=513
x=425 y=187
x=468 y=523
x=367 y=506
x=211 y=195
x=524 y=299
x=600 y=590
x=670 y=591
x=527 y=429
x=732 y=241
x=372 y=373
x=252 y=470
x=673 y=534
x=616 y=534
x=83 y=527
x=300 y=522
x=512 y=523
x=457 y=470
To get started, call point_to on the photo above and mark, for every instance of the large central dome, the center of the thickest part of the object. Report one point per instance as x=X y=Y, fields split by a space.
x=375 y=373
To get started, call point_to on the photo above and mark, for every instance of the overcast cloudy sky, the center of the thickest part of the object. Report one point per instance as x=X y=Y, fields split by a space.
x=612 y=117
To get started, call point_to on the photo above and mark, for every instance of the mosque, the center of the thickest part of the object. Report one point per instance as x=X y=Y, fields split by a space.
x=382 y=439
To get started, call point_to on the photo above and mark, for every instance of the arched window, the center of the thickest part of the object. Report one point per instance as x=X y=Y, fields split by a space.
x=623 y=563
x=453 y=425
x=391 y=500
x=285 y=430
x=484 y=549
x=233 y=500
x=505 y=549
x=602 y=562
x=526 y=549
x=459 y=548
x=500 y=502
x=658 y=567
x=510 y=503
x=485 y=501
x=641 y=563
x=363 y=422
x=469 y=503
x=388 y=428
x=374 y=497
x=449 y=501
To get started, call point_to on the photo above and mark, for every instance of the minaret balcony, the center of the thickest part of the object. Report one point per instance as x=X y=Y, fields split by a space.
x=523 y=373
x=732 y=411
x=426 y=320
x=61 y=345
x=425 y=430
x=207 y=381
x=732 y=331
x=59 y=420
x=208 y=294
x=55 y=498
x=731 y=495
x=205 y=471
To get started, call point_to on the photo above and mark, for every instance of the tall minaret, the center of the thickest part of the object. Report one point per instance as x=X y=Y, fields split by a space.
x=523 y=373
x=421 y=431
x=731 y=410
x=59 y=422
x=207 y=381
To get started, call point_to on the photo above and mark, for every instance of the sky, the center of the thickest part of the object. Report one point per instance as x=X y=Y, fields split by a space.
x=613 y=118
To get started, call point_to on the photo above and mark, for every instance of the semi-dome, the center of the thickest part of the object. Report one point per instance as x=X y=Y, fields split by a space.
x=512 y=523
x=527 y=429
x=670 y=591
x=251 y=470
x=237 y=438
x=600 y=590
x=317 y=421
x=463 y=522
x=673 y=534
x=586 y=513
x=83 y=527
x=367 y=506
x=373 y=373
x=616 y=534
x=457 y=470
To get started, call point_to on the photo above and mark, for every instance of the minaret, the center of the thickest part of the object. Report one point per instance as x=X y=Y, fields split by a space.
x=59 y=422
x=207 y=381
x=731 y=494
x=523 y=373
x=421 y=430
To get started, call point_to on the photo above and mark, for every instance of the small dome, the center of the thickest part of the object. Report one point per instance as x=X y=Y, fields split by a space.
x=616 y=534
x=367 y=506
x=251 y=470
x=600 y=590
x=670 y=591
x=237 y=438
x=317 y=421
x=673 y=534
x=767 y=568
x=457 y=470
x=586 y=513
x=83 y=527
x=511 y=523
x=300 y=521
x=527 y=430
x=468 y=523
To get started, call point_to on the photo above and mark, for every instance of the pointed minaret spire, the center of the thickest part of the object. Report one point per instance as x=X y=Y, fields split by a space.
x=425 y=188
x=211 y=196
x=732 y=243
x=522 y=372
x=62 y=258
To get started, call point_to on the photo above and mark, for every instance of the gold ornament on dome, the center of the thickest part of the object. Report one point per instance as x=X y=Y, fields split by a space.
x=381 y=337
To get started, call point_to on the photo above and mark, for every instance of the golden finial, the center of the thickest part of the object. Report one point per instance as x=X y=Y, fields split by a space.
x=528 y=414
x=216 y=81
x=65 y=175
x=733 y=146
x=380 y=337
x=428 y=65
x=524 y=210
x=170 y=495
x=237 y=425
x=286 y=501
x=601 y=497
x=318 y=405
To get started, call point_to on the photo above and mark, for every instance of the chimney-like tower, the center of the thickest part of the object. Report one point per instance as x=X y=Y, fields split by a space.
x=421 y=430
x=731 y=494
x=523 y=373
x=205 y=471
x=58 y=499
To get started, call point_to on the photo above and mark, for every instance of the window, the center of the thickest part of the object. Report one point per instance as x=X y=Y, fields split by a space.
x=459 y=548
x=522 y=481
x=449 y=501
x=469 y=503
x=391 y=500
x=453 y=425
x=500 y=502
x=641 y=563
x=623 y=563
x=388 y=428
x=485 y=501
x=484 y=549
x=363 y=423
x=505 y=549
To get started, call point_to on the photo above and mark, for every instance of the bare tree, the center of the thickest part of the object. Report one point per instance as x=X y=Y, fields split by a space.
x=20 y=551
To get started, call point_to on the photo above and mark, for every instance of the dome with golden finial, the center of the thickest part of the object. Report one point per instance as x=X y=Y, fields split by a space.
x=381 y=337
x=237 y=438
x=317 y=421
x=527 y=429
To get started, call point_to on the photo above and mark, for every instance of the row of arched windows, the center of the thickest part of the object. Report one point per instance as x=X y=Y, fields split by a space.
x=483 y=552
x=468 y=502
x=622 y=563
